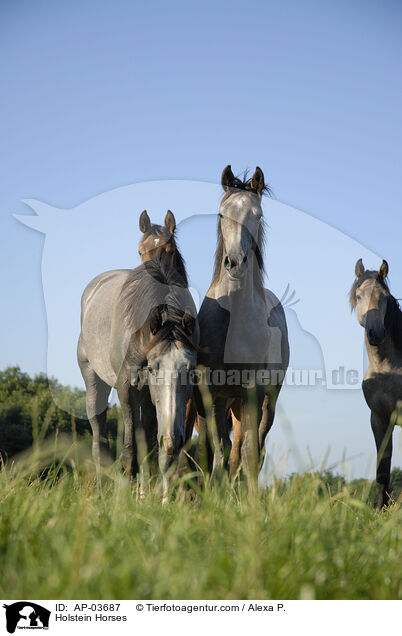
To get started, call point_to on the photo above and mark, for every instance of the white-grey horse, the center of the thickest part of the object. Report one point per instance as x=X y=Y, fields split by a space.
x=243 y=327
x=139 y=334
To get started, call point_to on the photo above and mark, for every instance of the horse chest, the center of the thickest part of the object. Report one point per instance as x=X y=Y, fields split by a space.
x=247 y=339
x=236 y=333
x=382 y=391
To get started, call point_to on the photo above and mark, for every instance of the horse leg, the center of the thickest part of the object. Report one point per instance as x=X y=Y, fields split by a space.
x=96 y=403
x=249 y=449
x=130 y=410
x=383 y=439
x=149 y=423
x=220 y=435
x=234 y=457
x=203 y=452
x=97 y=394
x=267 y=419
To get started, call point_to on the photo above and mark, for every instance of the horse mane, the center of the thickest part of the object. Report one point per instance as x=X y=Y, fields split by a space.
x=156 y=284
x=393 y=322
x=258 y=248
x=393 y=315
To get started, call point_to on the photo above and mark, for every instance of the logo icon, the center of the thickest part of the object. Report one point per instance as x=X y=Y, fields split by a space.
x=26 y=615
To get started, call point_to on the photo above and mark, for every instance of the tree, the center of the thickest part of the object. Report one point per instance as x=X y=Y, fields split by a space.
x=28 y=411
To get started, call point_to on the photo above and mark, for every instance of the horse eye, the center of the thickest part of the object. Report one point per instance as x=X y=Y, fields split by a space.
x=220 y=216
x=358 y=296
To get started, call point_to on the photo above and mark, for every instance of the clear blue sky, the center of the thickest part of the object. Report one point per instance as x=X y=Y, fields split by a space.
x=97 y=95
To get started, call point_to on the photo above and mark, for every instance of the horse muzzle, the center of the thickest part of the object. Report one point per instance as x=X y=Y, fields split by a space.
x=235 y=266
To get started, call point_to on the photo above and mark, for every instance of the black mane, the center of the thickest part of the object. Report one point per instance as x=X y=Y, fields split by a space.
x=393 y=322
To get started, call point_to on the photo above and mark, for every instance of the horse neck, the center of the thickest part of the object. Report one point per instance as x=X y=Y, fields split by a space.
x=384 y=357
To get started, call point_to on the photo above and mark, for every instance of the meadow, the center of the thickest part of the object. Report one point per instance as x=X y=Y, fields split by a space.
x=62 y=537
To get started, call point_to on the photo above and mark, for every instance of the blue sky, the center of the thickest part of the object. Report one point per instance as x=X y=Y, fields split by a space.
x=98 y=95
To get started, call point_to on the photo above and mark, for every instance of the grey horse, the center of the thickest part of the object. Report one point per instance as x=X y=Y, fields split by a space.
x=243 y=327
x=139 y=334
x=380 y=315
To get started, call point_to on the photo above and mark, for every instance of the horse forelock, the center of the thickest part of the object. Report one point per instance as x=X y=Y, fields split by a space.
x=244 y=183
x=172 y=332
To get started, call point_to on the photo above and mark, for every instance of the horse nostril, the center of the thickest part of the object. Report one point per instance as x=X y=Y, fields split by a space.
x=230 y=262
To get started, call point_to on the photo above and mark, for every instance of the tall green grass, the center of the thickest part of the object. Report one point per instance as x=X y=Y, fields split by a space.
x=63 y=537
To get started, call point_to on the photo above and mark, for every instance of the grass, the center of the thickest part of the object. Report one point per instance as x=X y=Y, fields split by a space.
x=62 y=538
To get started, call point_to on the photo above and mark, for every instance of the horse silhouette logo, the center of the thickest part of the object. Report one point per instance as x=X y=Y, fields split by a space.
x=26 y=615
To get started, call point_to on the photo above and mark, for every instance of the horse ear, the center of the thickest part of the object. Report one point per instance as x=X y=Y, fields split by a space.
x=145 y=222
x=155 y=320
x=170 y=222
x=188 y=322
x=359 y=268
x=257 y=181
x=383 y=271
x=228 y=178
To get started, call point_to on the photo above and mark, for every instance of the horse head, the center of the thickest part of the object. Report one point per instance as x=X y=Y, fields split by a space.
x=240 y=228
x=171 y=358
x=369 y=296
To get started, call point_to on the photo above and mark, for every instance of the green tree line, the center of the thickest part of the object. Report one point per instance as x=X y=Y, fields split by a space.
x=28 y=411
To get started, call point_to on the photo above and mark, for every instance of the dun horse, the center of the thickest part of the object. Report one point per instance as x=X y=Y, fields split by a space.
x=380 y=315
x=243 y=327
x=139 y=334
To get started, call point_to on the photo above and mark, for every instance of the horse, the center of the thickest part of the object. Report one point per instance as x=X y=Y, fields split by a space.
x=380 y=315
x=160 y=239
x=139 y=334
x=243 y=330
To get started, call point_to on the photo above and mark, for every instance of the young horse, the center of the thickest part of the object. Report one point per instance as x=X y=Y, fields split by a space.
x=159 y=239
x=243 y=327
x=380 y=315
x=139 y=334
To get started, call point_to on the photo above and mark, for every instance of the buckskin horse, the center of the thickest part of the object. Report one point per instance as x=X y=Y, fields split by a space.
x=380 y=315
